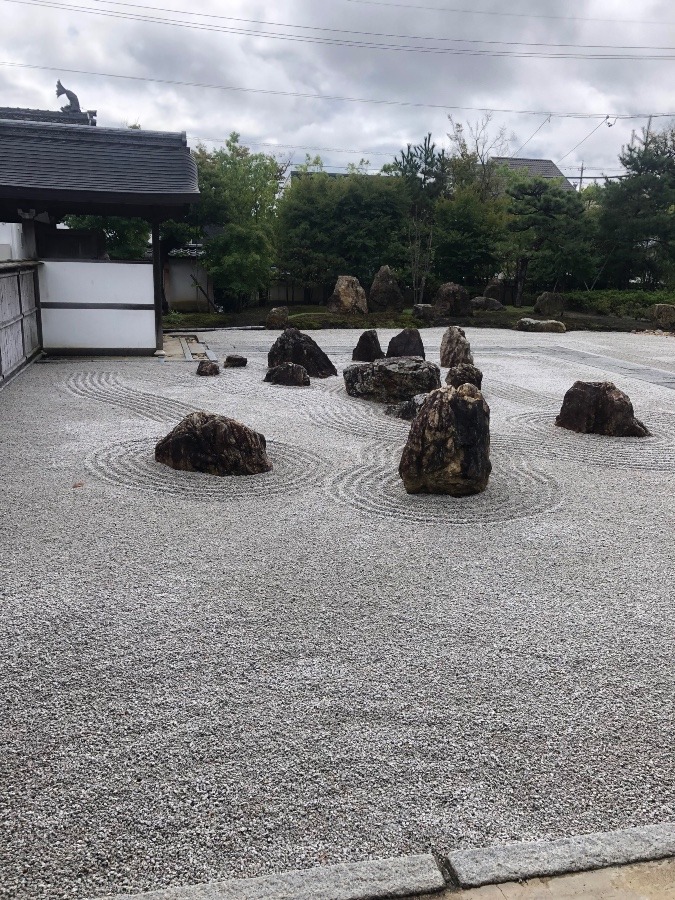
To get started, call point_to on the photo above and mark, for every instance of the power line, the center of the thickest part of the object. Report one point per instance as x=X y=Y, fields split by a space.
x=353 y=44
x=547 y=119
x=486 y=12
x=604 y=122
x=378 y=34
x=330 y=97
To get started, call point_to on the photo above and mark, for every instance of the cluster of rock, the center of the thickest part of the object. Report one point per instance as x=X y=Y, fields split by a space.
x=208 y=368
x=599 y=407
x=448 y=448
x=216 y=445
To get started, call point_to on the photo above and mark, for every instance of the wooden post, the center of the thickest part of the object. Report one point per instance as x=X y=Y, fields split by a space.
x=157 y=276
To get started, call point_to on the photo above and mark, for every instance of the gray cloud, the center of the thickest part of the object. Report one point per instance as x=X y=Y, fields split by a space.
x=74 y=40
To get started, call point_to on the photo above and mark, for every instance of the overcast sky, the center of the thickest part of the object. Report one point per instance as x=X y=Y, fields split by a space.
x=343 y=49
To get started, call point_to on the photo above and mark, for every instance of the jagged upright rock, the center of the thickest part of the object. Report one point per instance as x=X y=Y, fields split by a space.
x=455 y=348
x=348 y=297
x=452 y=300
x=406 y=343
x=464 y=373
x=599 y=407
x=205 y=442
x=448 y=448
x=385 y=292
x=391 y=380
x=368 y=347
x=294 y=346
x=664 y=315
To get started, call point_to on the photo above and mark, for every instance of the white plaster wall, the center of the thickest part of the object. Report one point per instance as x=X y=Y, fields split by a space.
x=98 y=329
x=93 y=281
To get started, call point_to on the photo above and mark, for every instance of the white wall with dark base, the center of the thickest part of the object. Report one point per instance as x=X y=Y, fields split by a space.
x=97 y=305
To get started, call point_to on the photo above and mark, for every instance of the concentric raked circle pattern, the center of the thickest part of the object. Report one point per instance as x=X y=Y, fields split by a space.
x=131 y=464
x=517 y=489
x=105 y=387
x=535 y=434
x=356 y=417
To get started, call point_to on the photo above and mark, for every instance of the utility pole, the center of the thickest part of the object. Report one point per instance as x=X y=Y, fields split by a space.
x=649 y=126
x=581 y=176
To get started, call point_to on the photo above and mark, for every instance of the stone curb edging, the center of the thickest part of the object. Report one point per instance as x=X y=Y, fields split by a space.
x=518 y=862
x=381 y=878
x=408 y=876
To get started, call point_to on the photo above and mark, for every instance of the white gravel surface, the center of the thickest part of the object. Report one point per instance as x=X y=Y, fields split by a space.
x=207 y=678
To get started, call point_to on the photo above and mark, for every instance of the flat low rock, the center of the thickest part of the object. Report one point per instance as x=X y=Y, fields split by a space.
x=235 y=361
x=207 y=368
x=545 y=325
x=289 y=374
x=294 y=346
x=367 y=347
x=448 y=448
x=406 y=343
x=464 y=373
x=599 y=407
x=391 y=380
x=206 y=442
x=455 y=348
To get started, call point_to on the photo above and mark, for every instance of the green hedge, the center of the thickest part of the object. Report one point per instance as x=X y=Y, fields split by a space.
x=635 y=304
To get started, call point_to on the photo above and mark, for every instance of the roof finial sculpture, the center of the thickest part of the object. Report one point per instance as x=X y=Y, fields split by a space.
x=74 y=104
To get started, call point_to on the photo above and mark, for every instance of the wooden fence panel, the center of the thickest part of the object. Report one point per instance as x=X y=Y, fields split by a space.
x=19 y=317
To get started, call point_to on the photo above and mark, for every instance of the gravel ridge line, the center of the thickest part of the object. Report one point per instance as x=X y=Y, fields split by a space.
x=370 y=880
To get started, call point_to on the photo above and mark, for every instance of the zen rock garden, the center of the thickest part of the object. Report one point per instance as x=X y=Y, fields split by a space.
x=448 y=447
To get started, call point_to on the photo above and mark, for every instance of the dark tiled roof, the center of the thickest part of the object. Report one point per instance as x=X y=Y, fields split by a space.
x=59 y=117
x=45 y=161
x=539 y=168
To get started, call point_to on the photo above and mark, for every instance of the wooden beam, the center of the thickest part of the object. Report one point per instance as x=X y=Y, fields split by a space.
x=157 y=276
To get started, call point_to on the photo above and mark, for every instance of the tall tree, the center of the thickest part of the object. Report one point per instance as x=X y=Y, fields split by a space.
x=425 y=172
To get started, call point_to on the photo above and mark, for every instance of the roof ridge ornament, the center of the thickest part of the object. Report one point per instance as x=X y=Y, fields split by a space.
x=74 y=103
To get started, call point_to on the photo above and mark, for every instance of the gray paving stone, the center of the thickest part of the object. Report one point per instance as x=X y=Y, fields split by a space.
x=517 y=862
x=381 y=878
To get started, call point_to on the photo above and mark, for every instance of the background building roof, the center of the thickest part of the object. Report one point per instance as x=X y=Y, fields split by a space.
x=536 y=168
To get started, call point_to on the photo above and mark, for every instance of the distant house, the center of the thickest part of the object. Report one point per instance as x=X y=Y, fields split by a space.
x=535 y=168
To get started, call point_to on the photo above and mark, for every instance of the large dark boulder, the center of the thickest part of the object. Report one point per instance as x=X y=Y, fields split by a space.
x=207 y=368
x=448 y=448
x=599 y=407
x=385 y=292
x=205 y=442
x=424 y=312
x=407 y=343
x=348 y=296
x=368 y=347
x=289 y=374
x=550 y=304
x=664 y=315
x=452 y=300
x=391 y=380
x=455 y=348
x=464 y=373
x=294 y=346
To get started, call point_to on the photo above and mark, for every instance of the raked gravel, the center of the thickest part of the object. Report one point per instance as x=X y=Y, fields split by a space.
x=205 y=680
